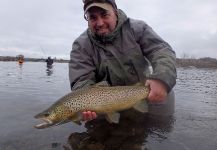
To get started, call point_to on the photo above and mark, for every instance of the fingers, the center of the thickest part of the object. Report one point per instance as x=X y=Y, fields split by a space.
x=158 y=91
x=157 y=96
x=88 y=115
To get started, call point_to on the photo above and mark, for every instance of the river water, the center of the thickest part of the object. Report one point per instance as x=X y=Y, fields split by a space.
x=27 y=89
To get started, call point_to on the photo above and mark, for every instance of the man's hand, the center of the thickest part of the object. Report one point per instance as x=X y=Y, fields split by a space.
x=88 y=115
x=158 y=91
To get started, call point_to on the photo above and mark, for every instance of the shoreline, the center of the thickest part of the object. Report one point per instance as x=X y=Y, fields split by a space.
x=205 y=62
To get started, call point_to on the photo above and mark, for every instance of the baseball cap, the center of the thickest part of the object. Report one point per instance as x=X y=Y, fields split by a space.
x=104 y=4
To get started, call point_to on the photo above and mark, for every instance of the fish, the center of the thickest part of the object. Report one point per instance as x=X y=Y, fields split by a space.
x=100 y=98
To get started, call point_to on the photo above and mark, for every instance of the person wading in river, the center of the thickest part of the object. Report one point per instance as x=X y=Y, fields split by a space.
x=120 y=50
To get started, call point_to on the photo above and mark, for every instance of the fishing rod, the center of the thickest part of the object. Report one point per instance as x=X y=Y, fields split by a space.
x=42 y=50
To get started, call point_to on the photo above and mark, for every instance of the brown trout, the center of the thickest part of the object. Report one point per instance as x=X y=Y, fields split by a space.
x=100 y=98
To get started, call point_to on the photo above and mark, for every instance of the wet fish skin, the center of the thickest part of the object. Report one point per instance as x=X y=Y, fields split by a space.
x=101 y=99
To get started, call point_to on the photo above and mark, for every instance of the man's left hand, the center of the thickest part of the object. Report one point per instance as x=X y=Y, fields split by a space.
x=158 y=91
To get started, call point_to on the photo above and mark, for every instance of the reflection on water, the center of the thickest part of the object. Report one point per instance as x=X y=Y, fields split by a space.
x=20 y=65
x=31 y=87
x=129 y=134
x=49 y=70
x=20 y=71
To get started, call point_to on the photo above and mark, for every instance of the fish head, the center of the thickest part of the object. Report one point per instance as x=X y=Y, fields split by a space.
x=51 y=117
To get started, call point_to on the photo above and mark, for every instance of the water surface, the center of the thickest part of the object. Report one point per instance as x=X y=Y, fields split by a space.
x=30 y=88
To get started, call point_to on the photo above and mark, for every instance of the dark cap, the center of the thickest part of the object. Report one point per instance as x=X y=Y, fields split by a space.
x=98 y=3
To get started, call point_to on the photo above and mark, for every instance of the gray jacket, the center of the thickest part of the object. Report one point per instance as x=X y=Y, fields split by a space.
x=123 y=60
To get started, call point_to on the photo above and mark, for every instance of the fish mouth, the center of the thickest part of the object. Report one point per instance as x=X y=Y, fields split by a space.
x=46 y=123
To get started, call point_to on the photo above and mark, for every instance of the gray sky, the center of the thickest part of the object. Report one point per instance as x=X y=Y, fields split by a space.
x=41 y=28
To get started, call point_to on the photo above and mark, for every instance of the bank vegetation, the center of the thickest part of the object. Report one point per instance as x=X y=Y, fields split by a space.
x=205 y=62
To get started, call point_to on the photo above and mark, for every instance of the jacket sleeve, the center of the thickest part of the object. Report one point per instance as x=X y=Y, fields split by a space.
x=81 y=68
x=159 y=53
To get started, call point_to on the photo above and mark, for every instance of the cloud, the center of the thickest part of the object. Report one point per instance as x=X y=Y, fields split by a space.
x=190 y=26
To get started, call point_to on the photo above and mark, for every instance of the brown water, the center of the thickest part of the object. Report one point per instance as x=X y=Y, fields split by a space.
x=28 y=89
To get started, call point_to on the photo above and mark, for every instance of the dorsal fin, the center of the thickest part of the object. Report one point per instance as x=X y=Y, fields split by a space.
x=102 y=83
x=138 y=84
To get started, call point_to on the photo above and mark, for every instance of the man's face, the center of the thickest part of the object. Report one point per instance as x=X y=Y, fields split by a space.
x=100 y=21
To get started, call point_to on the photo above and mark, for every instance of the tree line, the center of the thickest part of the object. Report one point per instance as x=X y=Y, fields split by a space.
x=205 y=62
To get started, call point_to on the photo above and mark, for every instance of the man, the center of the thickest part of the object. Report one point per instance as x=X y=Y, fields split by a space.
x=49 y=61
x=120 y=50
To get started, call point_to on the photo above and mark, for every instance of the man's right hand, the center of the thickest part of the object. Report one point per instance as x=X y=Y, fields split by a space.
x=89 y=115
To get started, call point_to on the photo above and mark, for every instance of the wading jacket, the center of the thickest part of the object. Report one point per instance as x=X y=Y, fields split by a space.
x=123 y=59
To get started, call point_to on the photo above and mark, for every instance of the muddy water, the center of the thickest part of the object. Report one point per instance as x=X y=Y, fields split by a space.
x=28 y=89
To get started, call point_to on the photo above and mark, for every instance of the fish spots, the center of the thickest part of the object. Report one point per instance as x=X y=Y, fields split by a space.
x=101 y=99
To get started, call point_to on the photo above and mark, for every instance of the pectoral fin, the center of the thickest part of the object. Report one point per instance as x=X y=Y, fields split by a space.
x=77 y=122
x=141 y=106
x=77 y=118
x=113 y=117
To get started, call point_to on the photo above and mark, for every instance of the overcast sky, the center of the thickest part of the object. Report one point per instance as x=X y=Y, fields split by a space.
x=41 y=28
